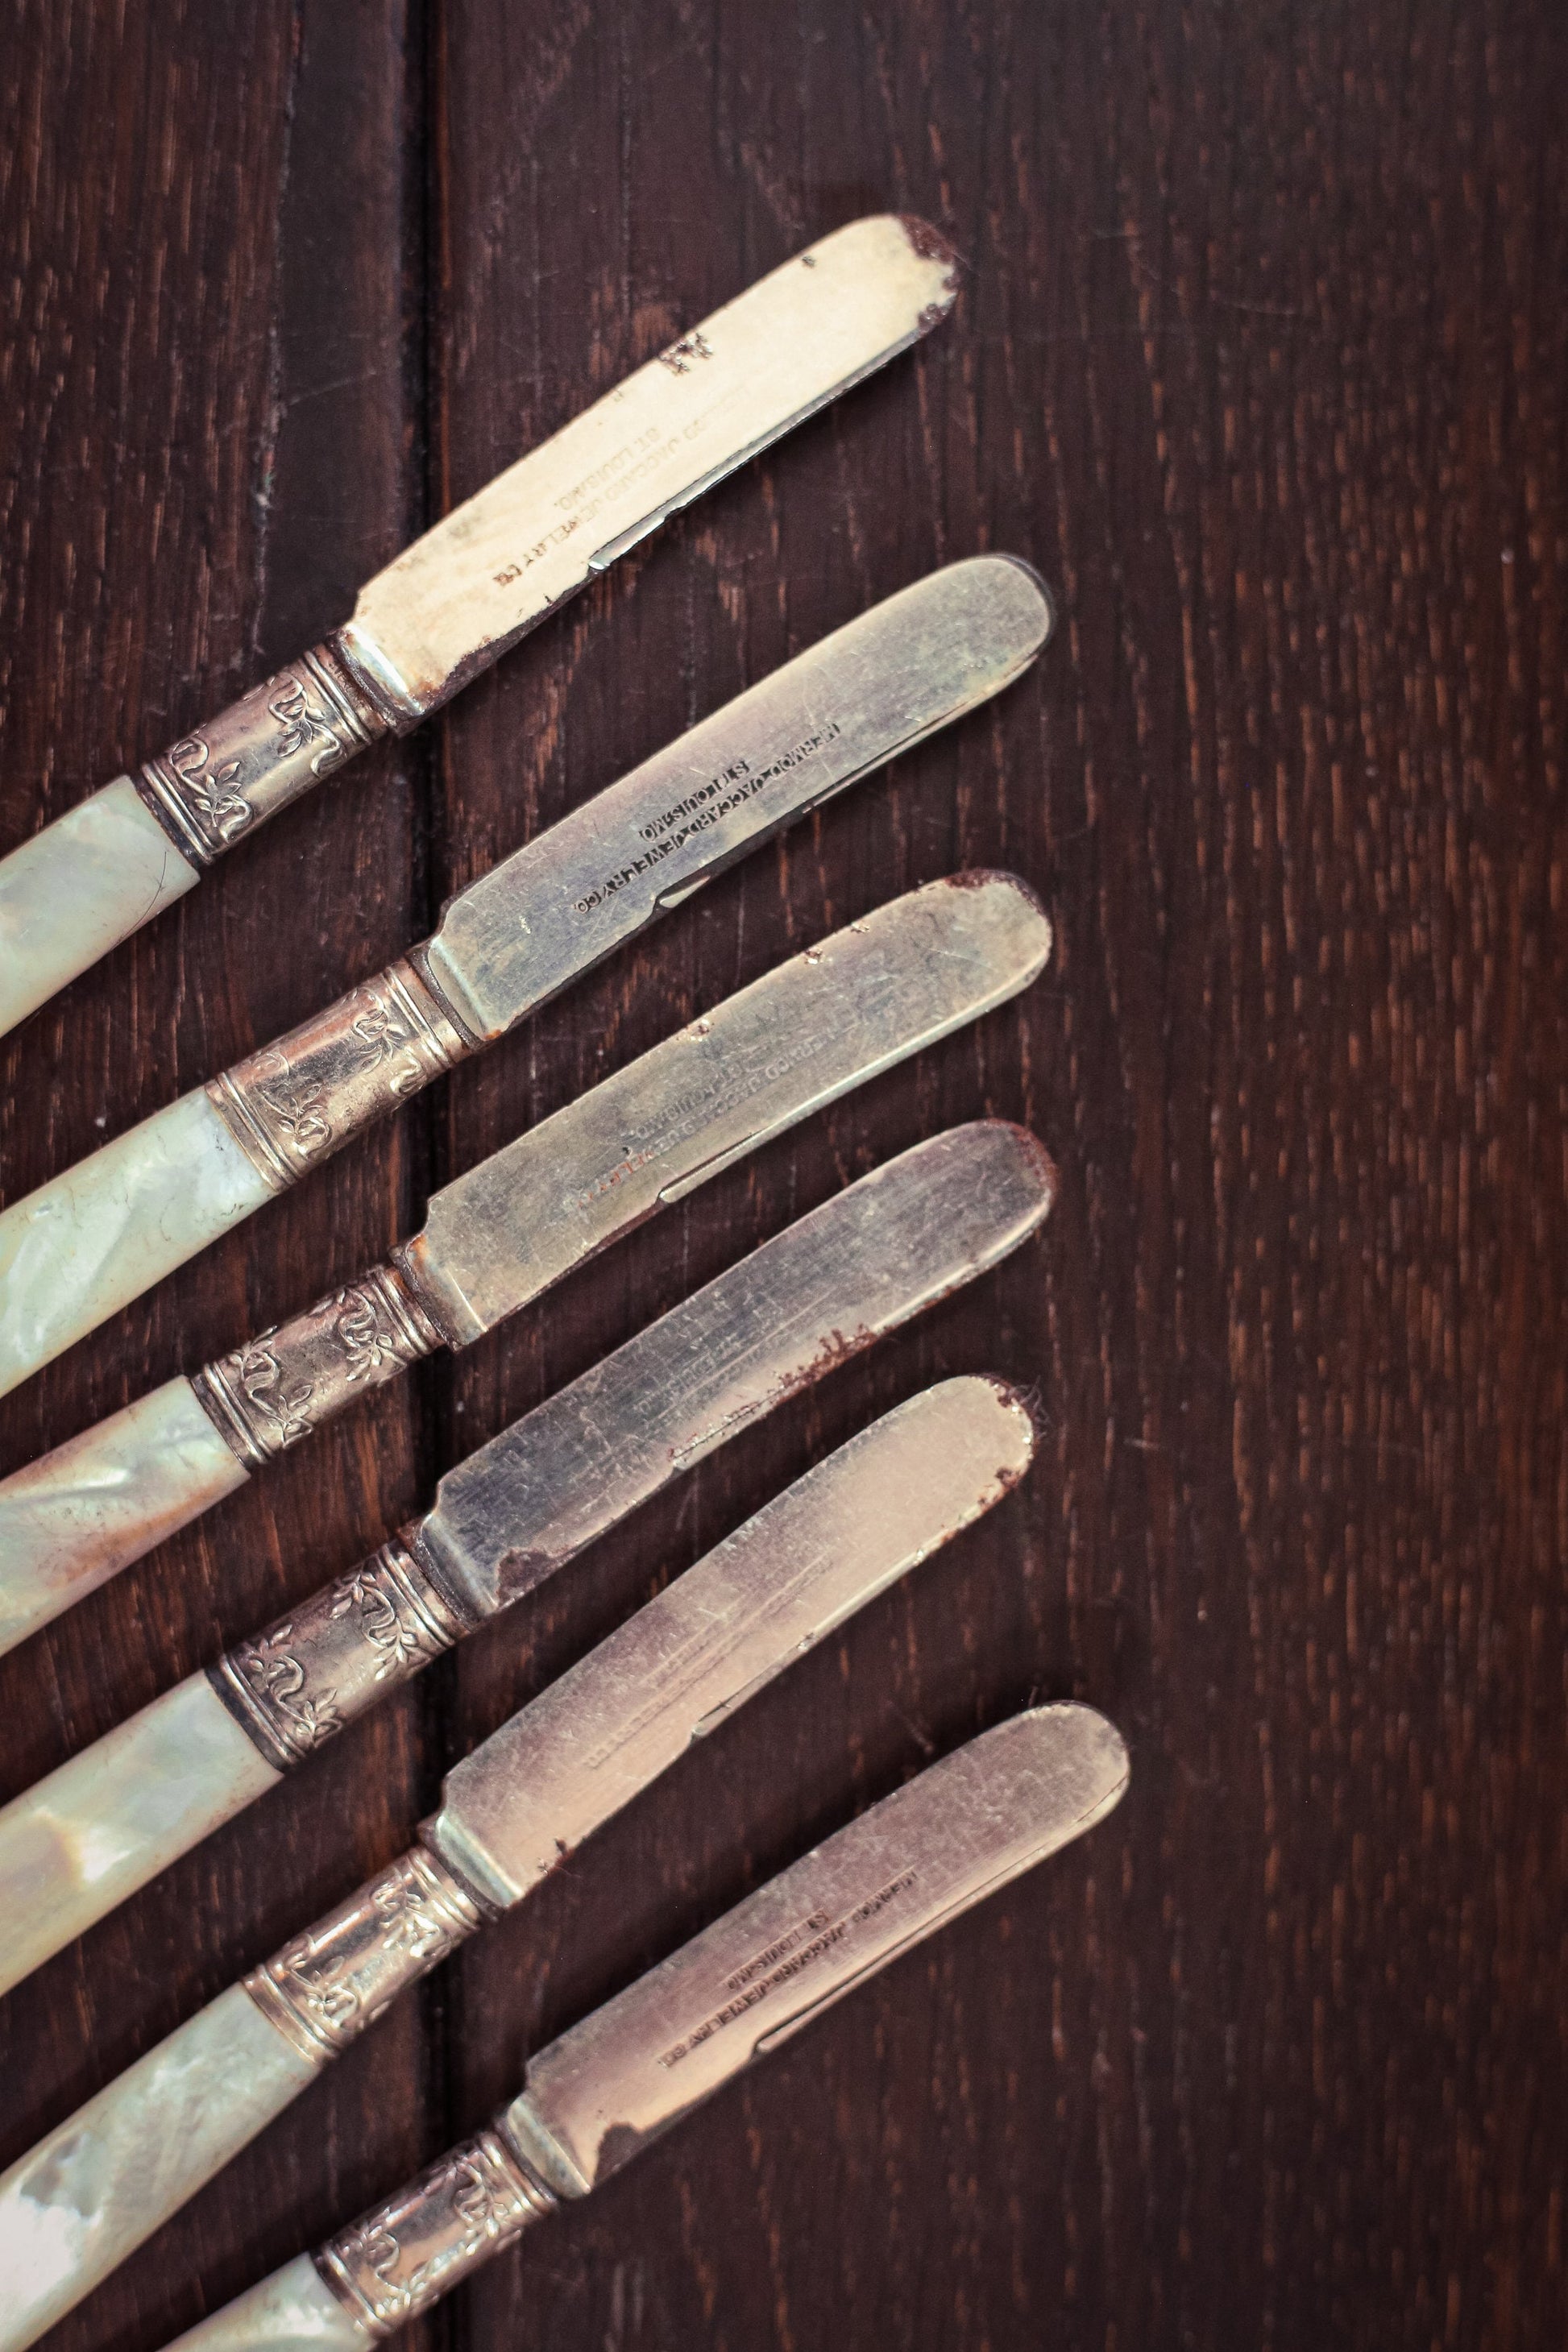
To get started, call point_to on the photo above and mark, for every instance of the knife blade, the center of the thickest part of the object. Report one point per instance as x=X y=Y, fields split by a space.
x=512 y=1812
x=596 y=2097
x=508 y=1517
x=452 y=603
x=761 y=1060
x=523 y=1801
x=88 y=1243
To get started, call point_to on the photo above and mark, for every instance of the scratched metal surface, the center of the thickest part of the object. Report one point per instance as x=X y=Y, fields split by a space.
x=1261 y=361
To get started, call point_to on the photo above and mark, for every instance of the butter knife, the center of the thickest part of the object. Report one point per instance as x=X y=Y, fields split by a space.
x=452 y=603
x=524 y=1802
x=85 y=1245
x=600 y=2092
x=763 y=1060
x=108 y=1819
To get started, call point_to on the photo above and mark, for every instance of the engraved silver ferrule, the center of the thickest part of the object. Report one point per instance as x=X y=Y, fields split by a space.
x=323 y=1988
x=396 y=2260
x=263 y=751
x=277 y=1388
x=296 y=1102
x=300 y=1682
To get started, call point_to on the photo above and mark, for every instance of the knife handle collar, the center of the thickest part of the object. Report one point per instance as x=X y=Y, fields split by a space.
x=326 y=1986
x=262 y=753
x=396 y=2262
x=266 y=1395
x=297 y=1101
x=307 y=1677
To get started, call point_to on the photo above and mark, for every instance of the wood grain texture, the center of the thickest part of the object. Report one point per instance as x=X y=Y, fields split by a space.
x=1261 y=361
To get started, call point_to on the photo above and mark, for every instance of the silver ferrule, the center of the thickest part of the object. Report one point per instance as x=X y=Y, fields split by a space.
x=265 y=749
x=277 y=1388
x=323 y=1988
x=298 y=1683
x=297 y=1101
x=396 y=2260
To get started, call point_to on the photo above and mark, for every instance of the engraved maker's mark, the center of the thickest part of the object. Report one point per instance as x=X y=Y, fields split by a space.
x=679 y=357
x=791 y=1956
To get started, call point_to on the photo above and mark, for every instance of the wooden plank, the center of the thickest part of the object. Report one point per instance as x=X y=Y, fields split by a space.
x=1262 y=362
x=209 y=399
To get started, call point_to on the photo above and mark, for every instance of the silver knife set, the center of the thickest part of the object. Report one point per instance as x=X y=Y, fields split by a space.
x=513 y=1514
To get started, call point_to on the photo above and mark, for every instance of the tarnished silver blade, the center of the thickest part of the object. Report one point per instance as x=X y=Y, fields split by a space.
x=797 y=1038
x=796 y=339
x=909 y=665
x=534 y=1790
x=930 y=1850
x=820 y=1292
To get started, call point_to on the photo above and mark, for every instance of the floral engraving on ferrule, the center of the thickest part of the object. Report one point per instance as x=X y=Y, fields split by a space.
x=398 y=2261
x=326 y=1986
x=209 y=791
x=371 y=1346
x=264 y=751
x=291 y=1103
x=391 y=1034
x=278 y=1388
x=276 y=1678
x=399 y=1639
x=299 y=726
x=303 y=1679
x=300 y=1103
x=282 y=1403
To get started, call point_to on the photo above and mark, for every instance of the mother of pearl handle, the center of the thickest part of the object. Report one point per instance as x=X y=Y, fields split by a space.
x=293 y=2311
x=87 y=2196
x=77 y=888
x=93 y=1239
x=72 y=1521
x=103 y=869
x=395 y=2261
x=109 y=1819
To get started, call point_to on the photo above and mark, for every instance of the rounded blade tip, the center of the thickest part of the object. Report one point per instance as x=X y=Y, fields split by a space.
x=928 y=244
x=989 y=1403
x=1084 y=1754
x=1003 y=1140
x=896 y=235
x=1035 y=923
x=1021 y=611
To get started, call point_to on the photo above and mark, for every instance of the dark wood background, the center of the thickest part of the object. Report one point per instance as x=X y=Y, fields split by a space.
x=1261 y=360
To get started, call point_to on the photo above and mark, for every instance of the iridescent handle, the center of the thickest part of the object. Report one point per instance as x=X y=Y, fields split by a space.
x=85 y=1245
x=87 y=2196
x=82 y=1247
x=293 y=2311
x=108 y=1819
x=77 y=888
x=73 y=1519
x=110 y=864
